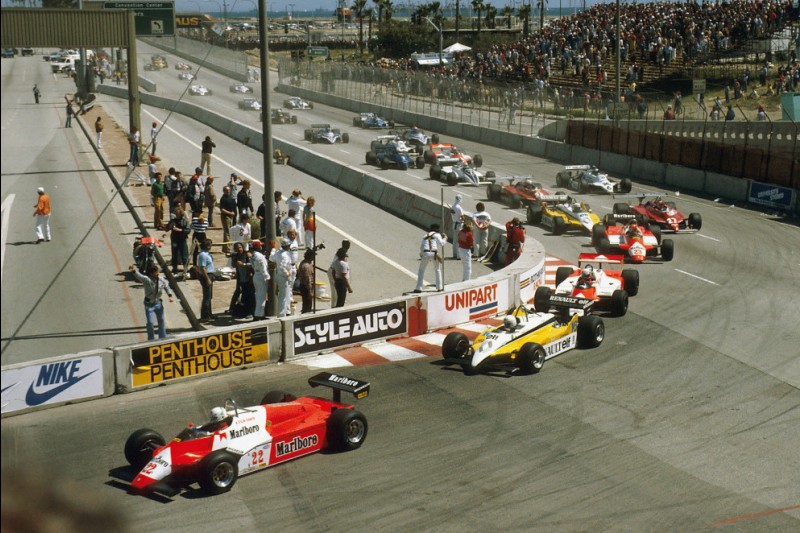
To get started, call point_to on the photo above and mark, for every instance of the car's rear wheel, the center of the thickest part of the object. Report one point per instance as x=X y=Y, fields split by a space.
x=620 y=209
x=140 y=446
x=619 y=302
x=598 y=232
x=534 y=214
x=219 y=472
x=630 y=281
x=420 y=162
x=541 y=299
x=603 y=246
x=345 y=138
x=347 y=429
x=667 y=250
x=559 y=226
x=477 y=160
x=452 y=179
x=307 y=134
x=625 y=185
x=435 y=172
x=294 y=119
x=435 y=138
x=429 y=157
x=516 y=201
x=277 y=396
x=385 y=163
x=493 y=192
x=455 y=345
x=695 y=221
x=531 y=358
x=591 y=331
x=563 y=273
x=372 y=159
x=560 y=181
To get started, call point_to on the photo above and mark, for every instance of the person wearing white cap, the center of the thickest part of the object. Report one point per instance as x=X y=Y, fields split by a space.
x=42 y=214
x=457 y=217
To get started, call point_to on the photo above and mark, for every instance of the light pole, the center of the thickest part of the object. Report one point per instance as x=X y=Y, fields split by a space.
x=437 y=28
x=341 y=15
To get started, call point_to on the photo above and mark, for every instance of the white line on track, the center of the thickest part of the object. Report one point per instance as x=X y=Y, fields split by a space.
x=6 y=209
x=344 y=151
x=352 y=239
x=707 y=237
x=420 y=178
x=697 y=277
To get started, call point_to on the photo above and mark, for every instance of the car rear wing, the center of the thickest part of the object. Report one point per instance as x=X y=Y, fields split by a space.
x=555 y=198
x=579 y=167
x=339 y=384
x=621 y=217
x=570 y=303
x=512 y=178
x=320 y=126
x=601 y=259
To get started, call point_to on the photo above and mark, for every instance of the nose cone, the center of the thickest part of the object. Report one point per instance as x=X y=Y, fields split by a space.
x=156 y=470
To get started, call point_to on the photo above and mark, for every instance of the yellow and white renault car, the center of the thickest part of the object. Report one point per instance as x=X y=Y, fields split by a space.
x=527 y=339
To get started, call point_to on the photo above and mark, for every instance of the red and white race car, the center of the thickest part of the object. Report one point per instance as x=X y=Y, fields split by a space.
x=656 y=211
x=637 y=242
x=448 y=155
x=608 y=288
x=248 y=439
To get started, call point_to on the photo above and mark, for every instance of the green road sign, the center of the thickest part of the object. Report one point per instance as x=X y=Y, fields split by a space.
x=317 y=51
x=153 y=19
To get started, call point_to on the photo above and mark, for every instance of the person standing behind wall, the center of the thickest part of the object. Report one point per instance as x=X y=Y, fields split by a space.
x=466 y=241
x=457 y=218
x=154 y=283
x=158 y=192
x=260 y=279
x=227 y=210
x=310 y=222
x=210 y=200
x=153 y=136
x=341 y=273
x=430 y=249
x=483 y=220
x=205 y=154
x=515 y=239
x=244 y=200
x=205 y=272
x=133 y=139
x=98 y=129
x=331 y=279
x=70 y=112
x=42 y=214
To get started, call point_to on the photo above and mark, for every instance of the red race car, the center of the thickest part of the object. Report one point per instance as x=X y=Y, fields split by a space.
x=448 y=155
x=516 y=191
x=637 y=242
x=608 y=288
x=238 y=441
x=657 y=211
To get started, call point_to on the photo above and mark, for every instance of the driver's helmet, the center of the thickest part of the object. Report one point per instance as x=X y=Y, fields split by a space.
x=217 y=414
x=529 y=184
x=587 y=271
x=510 y=322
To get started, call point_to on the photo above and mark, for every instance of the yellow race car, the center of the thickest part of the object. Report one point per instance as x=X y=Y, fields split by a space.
x=526 y=339
x=562 y=213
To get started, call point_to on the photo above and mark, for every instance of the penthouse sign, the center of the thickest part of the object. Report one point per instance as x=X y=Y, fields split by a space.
x=202 y=355
x=321 y=333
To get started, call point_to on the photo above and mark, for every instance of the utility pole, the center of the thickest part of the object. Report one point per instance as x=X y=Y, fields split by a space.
x=266 y=132
x=341 y=15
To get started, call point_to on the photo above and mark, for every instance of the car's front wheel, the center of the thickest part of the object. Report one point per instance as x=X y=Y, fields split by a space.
x=140 y=446
x=619 y=302
x=455 y=345
x=591 y=331
x=219 y=472
x=541 y=299
x=531 y=358
x=347 y=429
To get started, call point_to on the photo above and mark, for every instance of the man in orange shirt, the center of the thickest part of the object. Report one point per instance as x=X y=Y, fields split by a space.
x=42 y=214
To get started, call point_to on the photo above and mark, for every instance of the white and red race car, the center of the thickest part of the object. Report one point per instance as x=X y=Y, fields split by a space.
x=608 y=288
x=248 y=439
x=447 y=155
x=637 y=242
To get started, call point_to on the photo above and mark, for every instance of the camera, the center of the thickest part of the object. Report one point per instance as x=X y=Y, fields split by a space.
x=318 y=247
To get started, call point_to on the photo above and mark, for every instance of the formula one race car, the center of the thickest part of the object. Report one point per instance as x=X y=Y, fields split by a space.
x=527 y=338
x=199 y=90
x=560 y=214
x=587 y=179
x=460 y=172
x=516 y=191
x=635 y=241
x=182 y=66
x=658 y=212
x=241 y=88
x=240 y=441
x=389 y=151
x=415 y=137
x=447 y=154
x=281 y=116
x=323 y=133
x=608 y=289
x=371 y=121
x=152 y=67
x=186 y=76
x=250 y=104
x=295 y=102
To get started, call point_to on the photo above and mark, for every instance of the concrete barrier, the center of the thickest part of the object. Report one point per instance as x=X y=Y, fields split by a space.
x=726 y=186
x=687 y=179
x=647 y=170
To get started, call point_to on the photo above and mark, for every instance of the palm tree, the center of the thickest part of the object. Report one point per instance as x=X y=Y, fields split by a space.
x=542 y=7
x=491 y=13
x=525 y=13
x=380 y=4
x=477 y=5
x=438 y=16
x=508 y=12
x=358 y=7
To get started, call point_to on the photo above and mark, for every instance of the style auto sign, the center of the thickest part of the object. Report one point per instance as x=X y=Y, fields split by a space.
x=341 y=329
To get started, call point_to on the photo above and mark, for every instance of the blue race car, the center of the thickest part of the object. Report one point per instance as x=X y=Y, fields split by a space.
x=371 y=121
x=388 y=151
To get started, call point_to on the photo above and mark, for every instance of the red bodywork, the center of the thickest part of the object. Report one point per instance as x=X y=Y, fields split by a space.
x=637 y=248
x=668 y=218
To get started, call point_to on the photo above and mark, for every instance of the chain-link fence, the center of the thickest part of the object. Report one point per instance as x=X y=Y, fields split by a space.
x=231 y=62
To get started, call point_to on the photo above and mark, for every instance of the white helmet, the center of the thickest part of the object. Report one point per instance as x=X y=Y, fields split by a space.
x=588 y=270
x=217 y=414
x=510 y=322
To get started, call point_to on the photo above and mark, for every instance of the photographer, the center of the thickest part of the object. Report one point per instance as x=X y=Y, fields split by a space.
x=515 y=239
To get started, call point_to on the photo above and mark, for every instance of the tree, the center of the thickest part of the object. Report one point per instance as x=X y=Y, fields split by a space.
x=491 y=13
x=60 y=4
x=477 y=5
x=508 y=12
x=358 y=7
x=401 y=39
x=458 y=18
x=542 y=7
x=525 y=14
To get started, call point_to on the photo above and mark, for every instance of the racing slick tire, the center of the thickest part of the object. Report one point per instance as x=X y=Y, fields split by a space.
x=620 y=209
x=591 y=331
x=313 y=140
x=695 y=221
x=655 y=229
x=560 y=181
x=541 y=299
x=534 y=214
x=307 y=134
x=559 y=226
x=455 y=345
x=609 y=220
x=516 y=201
x=356 y=120
x=311 y=105
x=345 y=138
x=531 y=358
x=277 y=396
x=391 y=123
x=140 y=446
x=218 y=472
x=429 y=157
x=419 y=162
x=619 y=302
x=630 y=281
x=347 y=429
x=563 y=273
x=625 y=185
x=435 y=138
x=435 y=172
x=598 y=232
x=667 y=249
x=477 y=160
x=385 y=163
x=294 y=119
x=493 y=192
x=372 y=159
x=452 y=179
x=603 y=246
